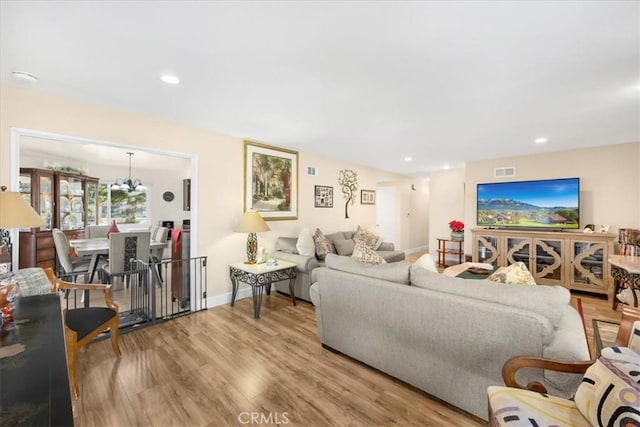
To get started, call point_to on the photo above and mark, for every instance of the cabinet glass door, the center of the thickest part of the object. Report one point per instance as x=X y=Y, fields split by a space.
x=92 y=203
x=518 y=250
x=487 y=249
x=71 y=203
x=46 y=201
x=548 y=261
x=588 y=264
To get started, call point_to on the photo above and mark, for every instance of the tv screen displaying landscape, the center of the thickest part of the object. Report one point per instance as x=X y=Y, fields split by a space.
x=549 y=203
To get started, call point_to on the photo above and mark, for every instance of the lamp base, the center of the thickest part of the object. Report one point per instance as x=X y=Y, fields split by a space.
x=252 y=248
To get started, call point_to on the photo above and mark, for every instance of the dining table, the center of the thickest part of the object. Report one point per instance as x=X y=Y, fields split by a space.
x=98 y=248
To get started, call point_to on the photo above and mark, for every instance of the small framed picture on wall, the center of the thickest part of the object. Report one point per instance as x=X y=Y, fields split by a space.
x=367 y=197
x=323 y=196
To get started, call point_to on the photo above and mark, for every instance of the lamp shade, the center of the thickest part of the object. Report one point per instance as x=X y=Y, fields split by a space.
x=15 y=212
x=252 y=222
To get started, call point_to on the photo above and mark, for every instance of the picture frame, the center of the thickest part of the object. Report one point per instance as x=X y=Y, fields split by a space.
x=270 y=181
x=323 y=196
x=367 y=197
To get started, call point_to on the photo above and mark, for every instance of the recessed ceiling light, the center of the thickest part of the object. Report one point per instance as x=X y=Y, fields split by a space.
x=408 y=159
x=541 y=140
x=23 y=75
x=168 y=78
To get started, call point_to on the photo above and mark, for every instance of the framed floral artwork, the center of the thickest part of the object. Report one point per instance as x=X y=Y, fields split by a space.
x=323 y=196
x=367 y=197
x=270 y=181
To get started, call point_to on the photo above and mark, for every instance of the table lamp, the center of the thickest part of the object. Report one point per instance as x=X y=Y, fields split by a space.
x=15 y=212
x=252 y=223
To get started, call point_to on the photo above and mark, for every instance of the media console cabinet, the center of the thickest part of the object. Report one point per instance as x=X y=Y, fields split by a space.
x=575 y=260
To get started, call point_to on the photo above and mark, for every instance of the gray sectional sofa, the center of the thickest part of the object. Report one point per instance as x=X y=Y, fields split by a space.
x=342 y=241
x=446 y=336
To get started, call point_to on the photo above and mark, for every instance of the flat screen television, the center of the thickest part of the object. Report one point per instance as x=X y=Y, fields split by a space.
x=547 y=203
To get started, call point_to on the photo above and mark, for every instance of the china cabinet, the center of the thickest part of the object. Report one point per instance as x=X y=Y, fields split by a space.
x=65 y=201
x=572 y=259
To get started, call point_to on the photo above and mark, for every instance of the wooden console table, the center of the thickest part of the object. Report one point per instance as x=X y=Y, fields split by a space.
x=34 y=379
x=449 y=247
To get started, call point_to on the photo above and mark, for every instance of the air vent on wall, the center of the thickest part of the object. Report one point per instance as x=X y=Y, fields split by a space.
x=311 y=170
x=504 y=172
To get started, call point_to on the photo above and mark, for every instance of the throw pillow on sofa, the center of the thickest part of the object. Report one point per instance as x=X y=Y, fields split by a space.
x=366 y=255
x=323 y=245
x=515 y=274
x=305 y=244
x=426 y=262
x=370 y=239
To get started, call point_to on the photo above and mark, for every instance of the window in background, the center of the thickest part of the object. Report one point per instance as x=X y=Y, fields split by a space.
x=122 y=206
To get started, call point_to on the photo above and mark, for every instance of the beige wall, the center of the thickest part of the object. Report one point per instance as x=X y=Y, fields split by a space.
x=609 y=185
x=447 y=203
x=220 y=192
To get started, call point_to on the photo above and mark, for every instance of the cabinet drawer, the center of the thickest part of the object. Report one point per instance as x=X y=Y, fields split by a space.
x=44 y=242
x=46 y=254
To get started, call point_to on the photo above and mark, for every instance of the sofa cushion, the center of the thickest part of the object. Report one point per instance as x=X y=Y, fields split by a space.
x=369 y=238
x=323 y=245
x=609 y=393
x=514 y=274
x=287 y=245
x=397 y=272
x=305 y=244
x=548 y=301
x=426 y=261
x=392 y=256
x=344 y=247
x=364 y=254
x=336 y=236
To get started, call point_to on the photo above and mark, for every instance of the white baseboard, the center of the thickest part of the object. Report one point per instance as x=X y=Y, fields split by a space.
x=418 y=249
x=226 y=298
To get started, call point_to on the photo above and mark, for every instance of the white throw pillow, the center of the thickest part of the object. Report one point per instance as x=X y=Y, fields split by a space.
x=426 y=262
x=306 y=246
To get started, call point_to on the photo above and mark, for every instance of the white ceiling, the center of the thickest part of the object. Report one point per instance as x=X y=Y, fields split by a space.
x=371 y=82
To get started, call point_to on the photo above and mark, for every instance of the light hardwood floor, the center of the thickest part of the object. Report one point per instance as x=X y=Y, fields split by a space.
x=220 y=367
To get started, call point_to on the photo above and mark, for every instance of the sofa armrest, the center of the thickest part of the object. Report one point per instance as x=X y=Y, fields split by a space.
x=303 y=263
x=387 y=246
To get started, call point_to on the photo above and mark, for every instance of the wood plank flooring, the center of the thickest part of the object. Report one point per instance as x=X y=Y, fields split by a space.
x=221 y=367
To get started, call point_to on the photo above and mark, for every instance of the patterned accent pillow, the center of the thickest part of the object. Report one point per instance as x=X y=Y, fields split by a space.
x=609 y=393
x=366 y=255
x=323 y=245
x=370 y=239
x=515 y=274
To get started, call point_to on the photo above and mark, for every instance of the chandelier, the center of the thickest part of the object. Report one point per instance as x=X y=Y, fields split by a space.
x=128 y=184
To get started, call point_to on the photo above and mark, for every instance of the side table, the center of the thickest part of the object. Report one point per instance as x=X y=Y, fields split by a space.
x=626 y=274
x=259 y=276
x=451 y=247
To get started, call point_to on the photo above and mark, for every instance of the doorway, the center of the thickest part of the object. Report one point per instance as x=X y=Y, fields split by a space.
x=386 y=213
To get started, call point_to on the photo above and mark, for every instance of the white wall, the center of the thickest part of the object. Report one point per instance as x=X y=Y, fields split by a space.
x=447 y=203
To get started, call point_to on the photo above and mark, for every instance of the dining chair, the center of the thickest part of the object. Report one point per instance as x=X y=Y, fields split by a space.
x=161 y=234
x=123 y=249
x=70 y=268
x=96 y=231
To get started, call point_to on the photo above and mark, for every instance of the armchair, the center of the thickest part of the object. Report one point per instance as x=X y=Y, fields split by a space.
x=83 y=324
x=607 y=395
